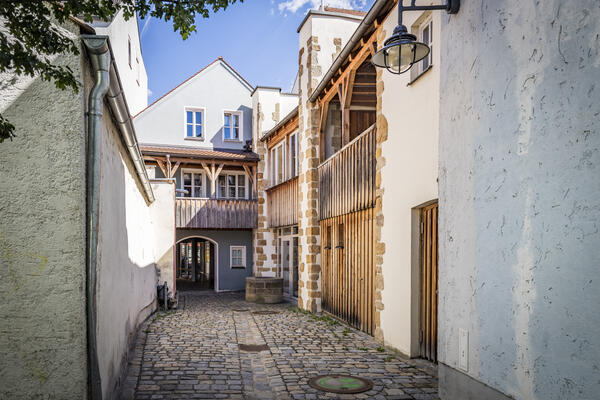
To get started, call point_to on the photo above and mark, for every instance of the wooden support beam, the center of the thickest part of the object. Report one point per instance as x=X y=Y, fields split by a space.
x=174 y=169
x=162 y=167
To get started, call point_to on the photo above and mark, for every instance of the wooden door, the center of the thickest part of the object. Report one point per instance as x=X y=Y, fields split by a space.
x=348 y=268
x=429 y=282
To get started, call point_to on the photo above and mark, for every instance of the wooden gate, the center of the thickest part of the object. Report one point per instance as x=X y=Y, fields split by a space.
x=429 y=282
x=348 y=279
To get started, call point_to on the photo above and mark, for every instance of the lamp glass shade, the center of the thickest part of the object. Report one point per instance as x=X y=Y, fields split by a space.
x=399 y=54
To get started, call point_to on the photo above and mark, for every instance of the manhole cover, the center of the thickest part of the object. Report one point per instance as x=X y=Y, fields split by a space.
x=343 y=384
x=240 y=309
x=265 y=312
x=253 y=347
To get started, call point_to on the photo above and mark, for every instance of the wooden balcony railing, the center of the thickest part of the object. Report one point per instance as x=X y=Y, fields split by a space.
x=216 y=213
x=282 y=203
x=347 y=179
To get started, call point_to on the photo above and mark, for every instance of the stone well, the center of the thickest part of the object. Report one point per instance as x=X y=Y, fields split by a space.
x=264 y=290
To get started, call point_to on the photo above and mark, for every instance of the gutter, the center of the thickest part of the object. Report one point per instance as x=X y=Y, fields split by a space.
x=100 y=59
x=354 y=39
x=107 y=84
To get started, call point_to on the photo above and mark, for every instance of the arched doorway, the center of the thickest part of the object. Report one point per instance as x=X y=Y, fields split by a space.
x=196 y=260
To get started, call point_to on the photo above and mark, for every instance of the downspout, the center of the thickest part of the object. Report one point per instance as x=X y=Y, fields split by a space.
x=98 y=51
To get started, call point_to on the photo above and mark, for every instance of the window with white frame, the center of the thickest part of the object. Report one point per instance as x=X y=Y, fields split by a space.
x=278 y=163
x=425 y=36
x=194 y=123
x=232 y=186
x=231 y=125
x=293 y=158
x=237 y=256
x=193 y=183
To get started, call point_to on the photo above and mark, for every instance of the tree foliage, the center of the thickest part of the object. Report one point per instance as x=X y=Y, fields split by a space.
x=30 y=32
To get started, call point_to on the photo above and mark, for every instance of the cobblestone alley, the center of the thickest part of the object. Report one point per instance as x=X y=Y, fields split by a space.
x=194 y=353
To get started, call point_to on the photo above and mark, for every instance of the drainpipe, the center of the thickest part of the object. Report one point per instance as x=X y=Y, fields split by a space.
x=98 y=51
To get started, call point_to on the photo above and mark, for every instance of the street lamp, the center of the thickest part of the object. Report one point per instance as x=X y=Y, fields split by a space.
x=401 y=51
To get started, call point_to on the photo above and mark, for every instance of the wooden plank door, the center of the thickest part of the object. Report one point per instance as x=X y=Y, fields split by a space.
x=348 y=268
x=429 y=282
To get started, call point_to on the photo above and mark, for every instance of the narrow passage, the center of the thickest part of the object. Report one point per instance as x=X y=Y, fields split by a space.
x=194 y=353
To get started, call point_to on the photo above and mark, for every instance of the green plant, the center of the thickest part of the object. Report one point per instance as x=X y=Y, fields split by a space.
x=380 y=349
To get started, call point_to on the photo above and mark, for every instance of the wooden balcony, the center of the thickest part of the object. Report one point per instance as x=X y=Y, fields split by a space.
x=216 y=213
x=282 y=203
x=347 y=178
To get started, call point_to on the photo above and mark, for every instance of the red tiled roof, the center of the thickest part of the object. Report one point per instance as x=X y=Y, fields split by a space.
x=216 y=60
x=346 y=11
x=195 y=152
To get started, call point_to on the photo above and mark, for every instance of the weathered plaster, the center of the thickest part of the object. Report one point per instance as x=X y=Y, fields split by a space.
x=42 y=247
x=519 y=195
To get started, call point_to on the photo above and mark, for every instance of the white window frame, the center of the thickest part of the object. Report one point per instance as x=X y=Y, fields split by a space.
x=420 y=67
x=194 y=110
x=243 y=264
x=241 y=127
x=193 y=171
x=290 y=152
x=237 y=174
x=274 y=168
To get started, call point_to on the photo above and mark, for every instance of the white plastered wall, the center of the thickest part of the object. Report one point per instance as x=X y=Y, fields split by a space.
x=409 y=179
x=135 y=84
x=519 y=196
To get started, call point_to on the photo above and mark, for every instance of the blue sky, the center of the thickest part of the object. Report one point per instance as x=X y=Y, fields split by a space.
x=258 y=38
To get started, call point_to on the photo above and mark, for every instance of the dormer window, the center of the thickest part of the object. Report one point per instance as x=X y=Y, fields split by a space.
x=194 y=123
x=232 y=126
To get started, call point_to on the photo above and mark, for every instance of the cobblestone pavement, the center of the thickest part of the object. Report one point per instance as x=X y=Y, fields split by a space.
x=193 y=353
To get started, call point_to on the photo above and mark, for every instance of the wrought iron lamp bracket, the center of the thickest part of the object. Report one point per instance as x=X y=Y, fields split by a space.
x=451 y=7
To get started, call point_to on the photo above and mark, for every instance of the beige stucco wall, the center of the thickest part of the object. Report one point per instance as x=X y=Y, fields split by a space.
x=408 y=179
x=42 y=247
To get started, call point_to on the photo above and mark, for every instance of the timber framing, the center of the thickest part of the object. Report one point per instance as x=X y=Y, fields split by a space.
x=287 y=125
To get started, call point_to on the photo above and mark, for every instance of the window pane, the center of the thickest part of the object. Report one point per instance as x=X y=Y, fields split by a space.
x=279 y=165
x=190 y=130
x=189 y=191
x=198 y=130
x=198 y=191
x=190 y=117
x=426 y=35
x=241 y=180
x=227 y=132
x=231 y=180
x=232 y=191
x=236 y=120
x=222 y=187
x=198 y=118
x=187 y=179
x=227 y=120
x=236 y=133
x=241 y=192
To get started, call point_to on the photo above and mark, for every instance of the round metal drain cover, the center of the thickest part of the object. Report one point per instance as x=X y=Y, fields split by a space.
x=254 y=348
x=265 y=312
x=342 y=384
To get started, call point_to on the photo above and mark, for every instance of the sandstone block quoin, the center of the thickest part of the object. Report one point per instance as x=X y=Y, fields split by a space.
x=264 y=290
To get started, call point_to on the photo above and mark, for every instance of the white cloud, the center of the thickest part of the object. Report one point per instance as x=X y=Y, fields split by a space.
x=145 y=27
x=149 y=92
x=295 y=5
